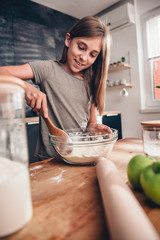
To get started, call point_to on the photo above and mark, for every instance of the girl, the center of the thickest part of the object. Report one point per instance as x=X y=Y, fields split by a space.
x=73 y=88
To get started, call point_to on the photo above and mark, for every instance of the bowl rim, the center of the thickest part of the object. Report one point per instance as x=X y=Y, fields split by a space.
x=113 y=134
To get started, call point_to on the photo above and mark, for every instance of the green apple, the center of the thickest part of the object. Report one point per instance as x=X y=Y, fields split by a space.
x=150 y=181
x=135 y=167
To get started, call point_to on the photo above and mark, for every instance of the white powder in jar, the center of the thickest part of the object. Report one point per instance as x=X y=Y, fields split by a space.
x=152 y=149
x=15 y=196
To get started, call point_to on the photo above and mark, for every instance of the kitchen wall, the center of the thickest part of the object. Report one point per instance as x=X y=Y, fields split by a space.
x=29 y=31
x=124 y=43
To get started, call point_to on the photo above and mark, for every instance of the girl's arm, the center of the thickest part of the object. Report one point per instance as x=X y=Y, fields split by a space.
x=23 y=72
x=93 y=115
x=92 y=123
x=34 y=97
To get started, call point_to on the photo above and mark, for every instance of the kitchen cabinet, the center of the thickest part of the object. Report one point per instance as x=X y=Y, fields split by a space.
x=32 y=136
x=113 y=120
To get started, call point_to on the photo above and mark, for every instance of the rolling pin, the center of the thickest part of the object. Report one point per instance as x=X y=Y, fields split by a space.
x=125 y=216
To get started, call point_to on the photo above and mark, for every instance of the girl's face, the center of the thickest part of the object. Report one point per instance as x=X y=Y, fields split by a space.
x=82 y=53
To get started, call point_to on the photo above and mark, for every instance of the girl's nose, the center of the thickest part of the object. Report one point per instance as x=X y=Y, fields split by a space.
x=84 y=56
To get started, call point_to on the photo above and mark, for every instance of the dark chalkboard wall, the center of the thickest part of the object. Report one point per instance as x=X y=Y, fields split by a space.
x=29 y=32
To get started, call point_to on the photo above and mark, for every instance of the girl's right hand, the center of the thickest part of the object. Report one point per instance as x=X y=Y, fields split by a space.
x=36 y=99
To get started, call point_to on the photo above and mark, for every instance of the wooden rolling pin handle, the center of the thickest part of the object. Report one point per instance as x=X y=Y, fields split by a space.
x=125 y=217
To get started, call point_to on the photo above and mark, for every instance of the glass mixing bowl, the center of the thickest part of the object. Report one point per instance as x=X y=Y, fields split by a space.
x=84 y=147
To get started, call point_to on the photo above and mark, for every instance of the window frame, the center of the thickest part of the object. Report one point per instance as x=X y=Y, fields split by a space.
x=148 y=100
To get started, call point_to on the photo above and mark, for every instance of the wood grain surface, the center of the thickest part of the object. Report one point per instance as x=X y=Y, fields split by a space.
x=66 y=199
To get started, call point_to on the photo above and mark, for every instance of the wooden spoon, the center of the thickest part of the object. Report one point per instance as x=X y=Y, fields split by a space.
x=53 y=130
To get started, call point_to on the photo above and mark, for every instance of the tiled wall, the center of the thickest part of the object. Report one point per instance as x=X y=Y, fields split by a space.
x=29 y=31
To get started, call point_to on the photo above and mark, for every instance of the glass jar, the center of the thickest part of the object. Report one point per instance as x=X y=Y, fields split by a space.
x=15 y=194
x=151 y=138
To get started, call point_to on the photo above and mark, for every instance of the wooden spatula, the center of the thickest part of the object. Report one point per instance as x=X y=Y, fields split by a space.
x=53 y=130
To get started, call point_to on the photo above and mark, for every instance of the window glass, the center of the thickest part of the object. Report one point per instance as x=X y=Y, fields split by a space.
x=153 y=36
x=156 y=78
x=153 y=50
x=151 y=56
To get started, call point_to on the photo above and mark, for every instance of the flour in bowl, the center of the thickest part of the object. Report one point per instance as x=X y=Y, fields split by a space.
x=85 y=154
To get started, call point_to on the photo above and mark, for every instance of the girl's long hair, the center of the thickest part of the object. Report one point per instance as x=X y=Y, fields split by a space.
x=96 y=75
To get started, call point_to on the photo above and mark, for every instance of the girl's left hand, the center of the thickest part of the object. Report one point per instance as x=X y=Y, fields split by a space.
x=96 y=128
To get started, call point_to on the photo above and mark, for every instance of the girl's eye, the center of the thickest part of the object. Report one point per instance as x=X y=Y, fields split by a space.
x=81 y=47
x=93 y=55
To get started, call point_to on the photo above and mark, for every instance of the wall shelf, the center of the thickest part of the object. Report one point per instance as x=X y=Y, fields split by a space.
x=127 y=85
x=117 y=78
x=119 y=68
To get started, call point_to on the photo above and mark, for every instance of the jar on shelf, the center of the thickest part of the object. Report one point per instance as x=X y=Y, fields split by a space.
x=108 y=83
x=119 y=64
x=123 y=60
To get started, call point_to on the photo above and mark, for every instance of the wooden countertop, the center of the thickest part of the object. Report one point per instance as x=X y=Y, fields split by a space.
x=67 y=204
x=112 y=112
x=32 y=120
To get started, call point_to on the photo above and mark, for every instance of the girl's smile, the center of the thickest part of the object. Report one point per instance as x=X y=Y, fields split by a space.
x=78 y=62
x=82 y=53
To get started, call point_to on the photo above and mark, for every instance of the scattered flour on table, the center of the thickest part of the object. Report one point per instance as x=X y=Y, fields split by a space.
x=36 y=167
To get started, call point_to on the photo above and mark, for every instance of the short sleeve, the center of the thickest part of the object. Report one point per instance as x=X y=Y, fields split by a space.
x=41 y=70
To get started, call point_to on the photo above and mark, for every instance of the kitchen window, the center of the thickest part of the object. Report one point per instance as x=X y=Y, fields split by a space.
x=151 y=55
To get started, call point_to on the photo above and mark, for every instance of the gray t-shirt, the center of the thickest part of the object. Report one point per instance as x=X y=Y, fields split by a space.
x=67 y=100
